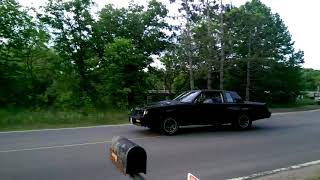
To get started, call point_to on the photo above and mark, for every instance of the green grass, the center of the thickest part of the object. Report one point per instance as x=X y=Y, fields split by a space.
x=22 y=119
x=314 y=178
x=298 y=103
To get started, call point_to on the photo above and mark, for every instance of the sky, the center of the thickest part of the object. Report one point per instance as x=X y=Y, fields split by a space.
x=301 y=18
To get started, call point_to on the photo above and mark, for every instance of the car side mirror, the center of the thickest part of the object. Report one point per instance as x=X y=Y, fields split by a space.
x=198 y=102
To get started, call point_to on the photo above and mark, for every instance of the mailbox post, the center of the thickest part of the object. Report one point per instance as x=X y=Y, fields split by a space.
x=128 y=157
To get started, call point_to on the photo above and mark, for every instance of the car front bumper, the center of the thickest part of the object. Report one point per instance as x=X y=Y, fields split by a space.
x=138 y=120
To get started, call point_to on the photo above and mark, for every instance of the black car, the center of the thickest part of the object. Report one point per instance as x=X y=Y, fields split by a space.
x=200 y=107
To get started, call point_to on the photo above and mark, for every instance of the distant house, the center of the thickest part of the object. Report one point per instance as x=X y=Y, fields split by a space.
x=312 y=94
x=159 y=95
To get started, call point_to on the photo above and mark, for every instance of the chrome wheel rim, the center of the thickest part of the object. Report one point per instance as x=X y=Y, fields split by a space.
x=244 y=122
x=170 y=126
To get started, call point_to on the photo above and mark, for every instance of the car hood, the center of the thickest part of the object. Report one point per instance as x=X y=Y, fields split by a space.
x=164 y=103
x=255 y=103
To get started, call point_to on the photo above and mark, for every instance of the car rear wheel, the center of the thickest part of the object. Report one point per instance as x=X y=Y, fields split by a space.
x=243 y=122
x=169 y=126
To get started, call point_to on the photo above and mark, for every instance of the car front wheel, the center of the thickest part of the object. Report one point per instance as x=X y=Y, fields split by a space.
x=169 y=126
x=243 y=122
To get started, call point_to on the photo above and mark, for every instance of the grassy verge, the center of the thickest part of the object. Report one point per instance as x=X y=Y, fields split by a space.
x=21 y=119
x=300 y=105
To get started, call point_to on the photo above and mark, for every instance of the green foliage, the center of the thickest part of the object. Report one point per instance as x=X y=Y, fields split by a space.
x=311 y=79
x=262 y=38
x=64 y=57
x=71 y=25
x=144 y=28
x=23 y=56
x=122 y=73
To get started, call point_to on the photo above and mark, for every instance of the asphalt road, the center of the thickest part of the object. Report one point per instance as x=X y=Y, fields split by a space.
x=82 y=154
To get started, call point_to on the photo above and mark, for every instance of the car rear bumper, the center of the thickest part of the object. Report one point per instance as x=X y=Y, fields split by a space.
x=262 y=115
x=269 y=114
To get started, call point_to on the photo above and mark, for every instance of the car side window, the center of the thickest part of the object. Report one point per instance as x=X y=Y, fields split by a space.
x=201 y=98
x=210 y=98
x=229 y=98
x=217 y=98
x=235 y=97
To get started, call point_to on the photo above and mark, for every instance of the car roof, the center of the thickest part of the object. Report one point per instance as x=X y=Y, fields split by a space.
x=208 y=90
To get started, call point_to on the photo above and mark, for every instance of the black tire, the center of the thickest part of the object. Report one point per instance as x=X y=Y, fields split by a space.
x=242 y=122
x=169 y=126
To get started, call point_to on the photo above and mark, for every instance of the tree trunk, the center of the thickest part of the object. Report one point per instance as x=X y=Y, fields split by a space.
x=189 y=52
x=222 y=48
x=191 y=72
x=210 y=46
x=248 y=81
x=248 y=72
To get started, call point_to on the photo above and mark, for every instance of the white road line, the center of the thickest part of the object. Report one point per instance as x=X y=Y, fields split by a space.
x=266 y=173
x=59 y=129
x=68 y=145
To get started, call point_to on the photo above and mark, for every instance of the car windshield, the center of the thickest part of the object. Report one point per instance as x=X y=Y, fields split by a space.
x=189 y=97
x=182 y=95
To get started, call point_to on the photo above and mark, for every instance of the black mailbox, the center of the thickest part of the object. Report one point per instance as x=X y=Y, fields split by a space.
x=129 y=157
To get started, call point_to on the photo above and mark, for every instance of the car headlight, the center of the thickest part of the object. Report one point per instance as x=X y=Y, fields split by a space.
x=145 y=112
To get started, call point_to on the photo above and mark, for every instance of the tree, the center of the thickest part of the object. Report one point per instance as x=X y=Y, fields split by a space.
x=144 y=29
x=263 y=43
x=208 y=10
x=124 y=76
x=71 y=28
x=222 y=55
x=190 y=15
x=172 y=69
x=311 y=79
x=22 y=49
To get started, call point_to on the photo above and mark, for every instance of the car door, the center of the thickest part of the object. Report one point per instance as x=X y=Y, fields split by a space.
x=209 y=107
x=188 y=109
x=232 y=106
x=199 y=110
